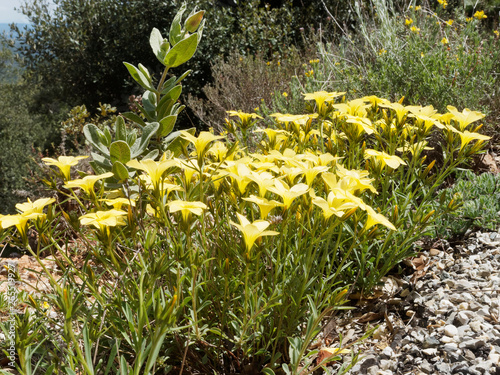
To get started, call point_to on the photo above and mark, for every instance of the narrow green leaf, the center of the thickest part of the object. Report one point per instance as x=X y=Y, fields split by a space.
x=164 y=108
x=149 y=102
x=138 y=76
x=268 y=371
x=154 y=351
x=174 y=93
x=124 y=368
x=167 y=86
x=98 y=169
x=132 y=137
x=186 y=73
x=112 y=356
x=87 y=347
x=135 y=118
x=107 y=134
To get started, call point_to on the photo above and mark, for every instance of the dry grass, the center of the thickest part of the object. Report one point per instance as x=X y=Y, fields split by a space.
x=243 y=83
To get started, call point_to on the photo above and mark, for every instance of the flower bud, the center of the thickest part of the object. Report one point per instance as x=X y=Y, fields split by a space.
x=194 y=21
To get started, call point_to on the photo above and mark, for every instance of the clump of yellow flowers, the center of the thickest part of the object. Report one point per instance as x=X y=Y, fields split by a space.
x=310 y=160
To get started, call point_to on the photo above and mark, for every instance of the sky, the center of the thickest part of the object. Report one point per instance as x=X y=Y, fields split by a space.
x=8 y=14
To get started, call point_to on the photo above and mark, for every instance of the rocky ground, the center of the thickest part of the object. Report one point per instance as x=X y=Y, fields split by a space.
x=443 y=317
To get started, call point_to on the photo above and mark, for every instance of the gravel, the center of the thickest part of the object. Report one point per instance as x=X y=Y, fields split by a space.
x=447 y=320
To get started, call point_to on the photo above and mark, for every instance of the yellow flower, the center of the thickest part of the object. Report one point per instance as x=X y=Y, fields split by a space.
x=414 y=29
x=117 y=203
x=272 y=133
x=392 y=161
x=219 y=150
x=310 y=172
x=422 y=54
x=285 y=94
x=382 y=51
x=37 y=206
x=356 y=107
x=187 y=208
x=154 y=169
x=336 y=204
x=264 y=180
x=353 y=179
x=415 y=148
x=408 y=22
x=444 y=41
x=87 y=183
x=375 y=100
x=103 y=219
x=363 y=124
x=465 y=117
x=286 y=193
x=19 y=220
x=252 y=231
x=296 y=119
x=418 y=7
x=444 y=3
x=466 y=137
x=240 y=173
x=244 y=117
x=449 y=22
x=264 y=204
x=64 y=163
x=375 y=218
x=496 y=32
x=321 y=97
x=480 y=15
x=201 y=142
x=469 y=19
x=400 y=110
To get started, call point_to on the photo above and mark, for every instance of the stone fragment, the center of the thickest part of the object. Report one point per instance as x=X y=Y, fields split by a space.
x=387 y=353
x=426 y=367
x=430 y=342
x=430 y=351
x=450 y=330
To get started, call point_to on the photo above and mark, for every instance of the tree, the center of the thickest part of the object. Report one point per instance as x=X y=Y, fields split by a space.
x=76 y=48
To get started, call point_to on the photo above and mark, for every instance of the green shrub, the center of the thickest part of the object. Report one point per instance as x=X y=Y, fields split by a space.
x=20 y=135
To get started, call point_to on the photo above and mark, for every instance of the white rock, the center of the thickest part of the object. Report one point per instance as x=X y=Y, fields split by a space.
x=430 y=351
x=462 y=318
x=450 y=330
x=463 y=306
x=475 y=326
